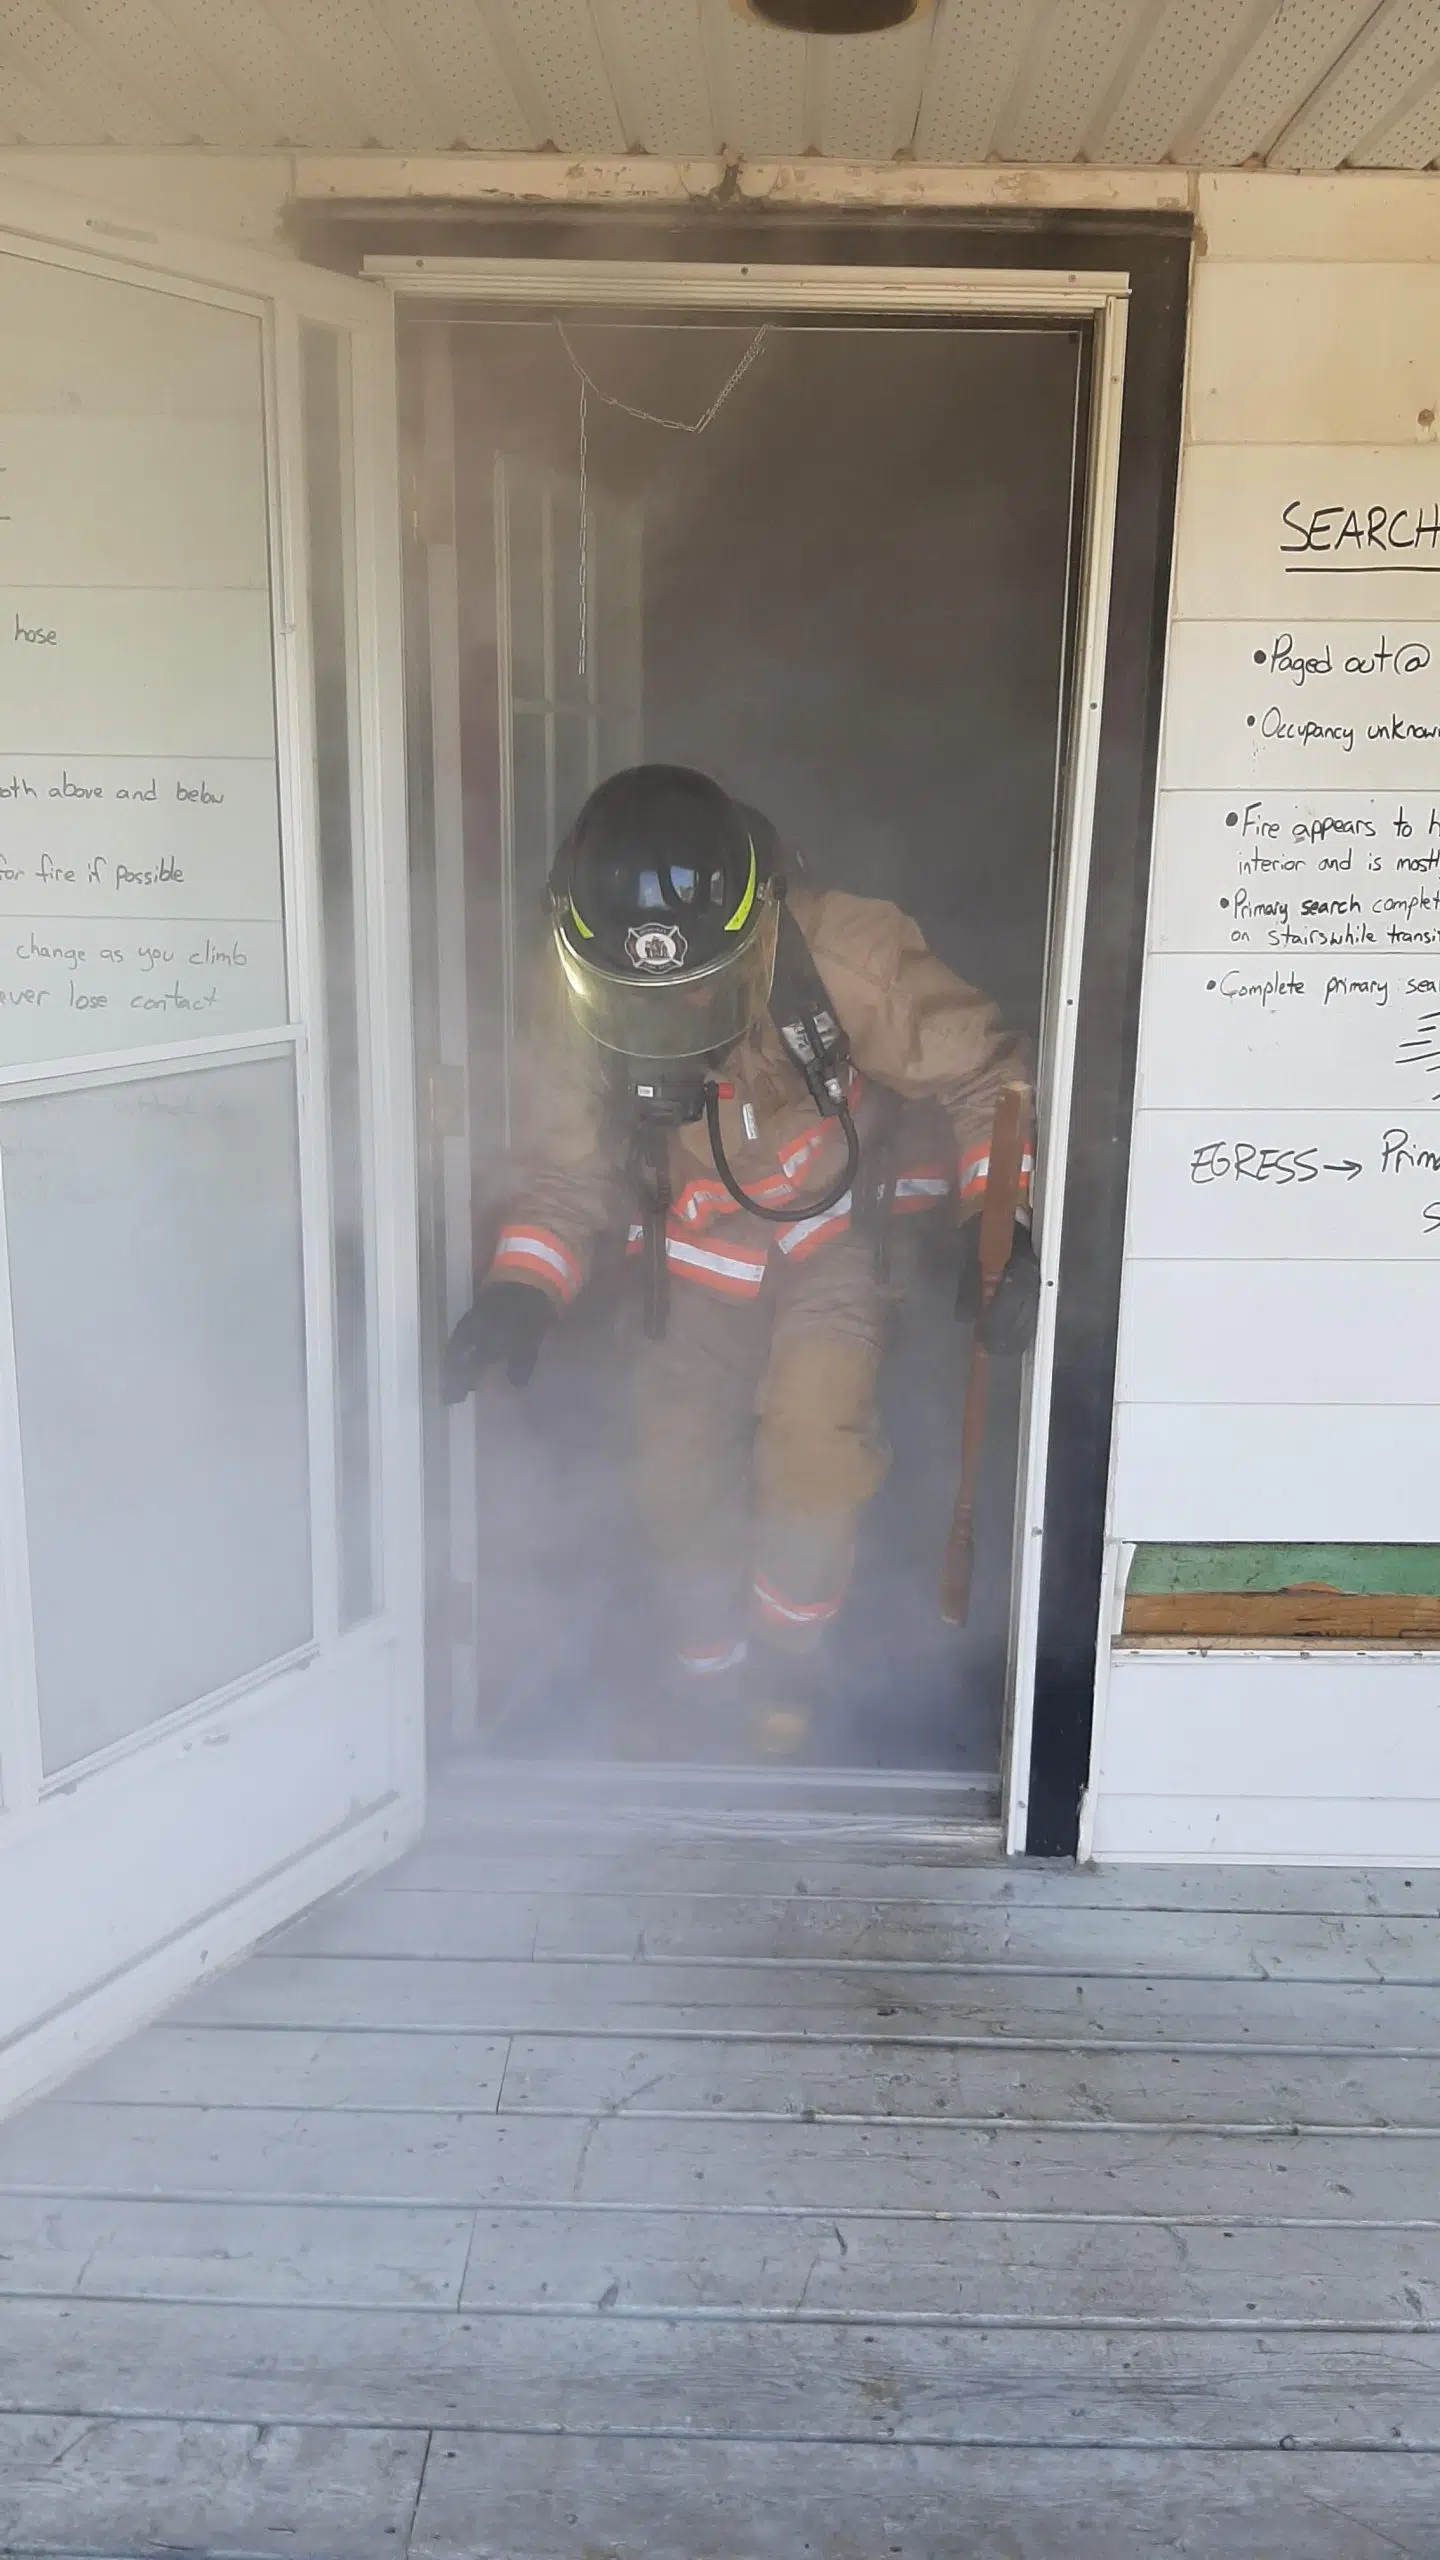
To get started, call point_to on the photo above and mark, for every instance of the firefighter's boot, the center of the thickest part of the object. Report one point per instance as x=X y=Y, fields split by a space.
x=694 y=1716
x=786 y=1699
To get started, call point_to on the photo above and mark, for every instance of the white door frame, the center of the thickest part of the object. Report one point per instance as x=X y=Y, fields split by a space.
x=655 y=285
x=337 y=1726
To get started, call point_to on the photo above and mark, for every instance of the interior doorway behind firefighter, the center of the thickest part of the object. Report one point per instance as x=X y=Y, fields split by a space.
x=831 y=566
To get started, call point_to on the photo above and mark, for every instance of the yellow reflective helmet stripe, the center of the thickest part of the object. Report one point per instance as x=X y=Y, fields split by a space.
x=733 y=923
x=579 y=922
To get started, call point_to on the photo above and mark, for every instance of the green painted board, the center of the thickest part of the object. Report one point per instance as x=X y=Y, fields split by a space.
x=1376 y=1571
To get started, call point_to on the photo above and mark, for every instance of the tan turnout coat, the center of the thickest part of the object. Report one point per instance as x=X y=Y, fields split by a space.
x=915 y=1031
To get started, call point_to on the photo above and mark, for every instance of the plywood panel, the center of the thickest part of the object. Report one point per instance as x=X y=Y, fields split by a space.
x=1280 y=1333
x=1275 y=1472
x=1264 y=1829
x=1241 y=1725
x=1318 y=220
x=1323 y=354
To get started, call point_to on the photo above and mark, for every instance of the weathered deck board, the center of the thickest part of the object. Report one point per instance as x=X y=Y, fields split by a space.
x=729 y=2164
x=502 y=2497
x=1084 y=2272
x=725 y=2378
x=569 y=1997
x=280 y=2152
x=82 y=2485
x=392 y=2258
x=857 y=2078
x=749 y=2198
x=861 y=2081
x=275 y=2067
x=688 y=2265
x=770 y=1928
x=458 y=1855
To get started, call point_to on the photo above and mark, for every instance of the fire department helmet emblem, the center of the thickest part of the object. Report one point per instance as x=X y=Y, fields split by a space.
x=656 y=946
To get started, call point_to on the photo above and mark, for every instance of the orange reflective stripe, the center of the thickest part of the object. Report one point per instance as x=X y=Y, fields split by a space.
x=703 y=1666
x=975 y=1171
x=701 y=1195
x=536 y=1253
x=796 y=1613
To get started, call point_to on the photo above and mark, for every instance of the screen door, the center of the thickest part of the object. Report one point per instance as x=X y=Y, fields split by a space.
x=209 y=1513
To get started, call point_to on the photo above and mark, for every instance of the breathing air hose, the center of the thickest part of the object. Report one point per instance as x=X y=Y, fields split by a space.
x=793 y=1210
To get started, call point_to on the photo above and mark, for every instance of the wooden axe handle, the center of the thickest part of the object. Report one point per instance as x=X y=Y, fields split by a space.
x=1004 y=1184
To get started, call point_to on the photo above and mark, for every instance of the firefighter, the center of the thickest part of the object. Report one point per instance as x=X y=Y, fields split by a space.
x=749 y=1081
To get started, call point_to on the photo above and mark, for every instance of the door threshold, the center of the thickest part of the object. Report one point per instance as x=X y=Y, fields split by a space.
x=957 y=1810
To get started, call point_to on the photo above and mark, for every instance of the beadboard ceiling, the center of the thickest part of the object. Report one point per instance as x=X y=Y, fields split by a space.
x=1218 y=84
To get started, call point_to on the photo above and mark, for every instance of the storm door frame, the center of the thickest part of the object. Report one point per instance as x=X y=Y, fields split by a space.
x=1130 y=442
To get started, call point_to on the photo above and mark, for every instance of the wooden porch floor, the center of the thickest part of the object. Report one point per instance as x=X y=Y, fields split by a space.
x=749 y=2201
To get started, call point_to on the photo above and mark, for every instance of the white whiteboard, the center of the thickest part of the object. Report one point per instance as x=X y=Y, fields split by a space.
x=1251 y=1185
x=1282 y=1290
x=140 y=872
x=1303 y=531
x=1254 y=871
x=1301 y=706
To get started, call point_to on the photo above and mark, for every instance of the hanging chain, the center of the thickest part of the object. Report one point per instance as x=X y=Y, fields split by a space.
x=646 y=418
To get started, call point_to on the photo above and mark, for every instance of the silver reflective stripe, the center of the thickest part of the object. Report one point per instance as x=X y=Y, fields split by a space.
x=805 y=1227
x=728 y=1266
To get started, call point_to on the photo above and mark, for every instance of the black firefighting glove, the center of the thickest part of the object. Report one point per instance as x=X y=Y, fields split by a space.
x=1007 y=1326
x=508 y=1323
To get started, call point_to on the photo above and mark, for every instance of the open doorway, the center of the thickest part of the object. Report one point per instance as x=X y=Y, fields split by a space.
x=834 y=565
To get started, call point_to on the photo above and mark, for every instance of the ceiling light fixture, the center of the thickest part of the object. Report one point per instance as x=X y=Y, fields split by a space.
x=835 y=17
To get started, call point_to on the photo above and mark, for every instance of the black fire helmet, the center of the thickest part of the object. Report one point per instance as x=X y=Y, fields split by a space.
x=665 y=901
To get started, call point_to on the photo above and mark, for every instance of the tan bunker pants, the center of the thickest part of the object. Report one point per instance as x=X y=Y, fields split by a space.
x=757 y=1445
